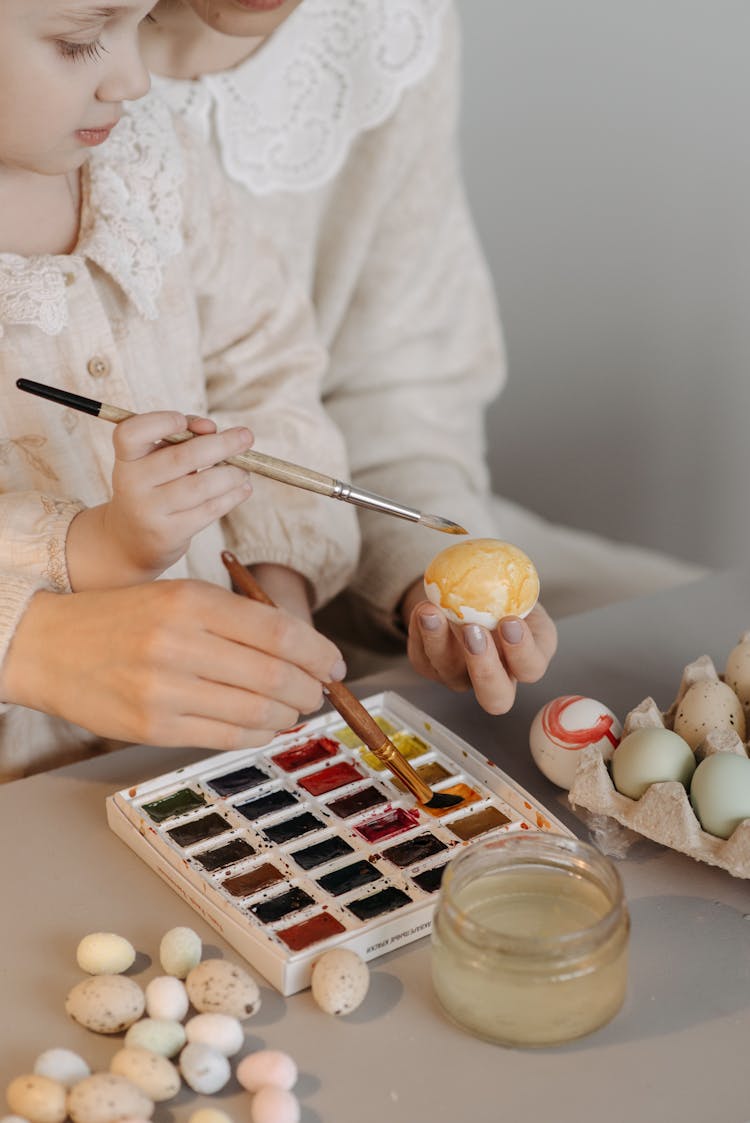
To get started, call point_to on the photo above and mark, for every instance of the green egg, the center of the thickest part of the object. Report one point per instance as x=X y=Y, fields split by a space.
x=720 y=793
x=650 y=756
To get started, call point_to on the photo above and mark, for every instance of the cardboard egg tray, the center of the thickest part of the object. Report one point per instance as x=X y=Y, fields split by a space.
x=664 y=813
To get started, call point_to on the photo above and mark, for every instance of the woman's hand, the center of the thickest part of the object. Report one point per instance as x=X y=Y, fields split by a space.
x=469 y=657
x=162 y=495
x=168 y=663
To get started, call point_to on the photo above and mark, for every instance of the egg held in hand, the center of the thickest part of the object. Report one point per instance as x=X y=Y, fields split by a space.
x=482 y=580
x=564 y=727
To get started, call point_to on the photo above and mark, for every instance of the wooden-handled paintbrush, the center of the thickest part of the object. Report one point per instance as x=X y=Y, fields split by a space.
x=251 y=461
x=352 y=710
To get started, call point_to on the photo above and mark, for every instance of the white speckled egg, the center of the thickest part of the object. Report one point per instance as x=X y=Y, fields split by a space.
x=105 y=1097
x=220 y=1031
x=340 y=979
x=206 y=1070
x=209 y=1115
x=106 y=1003
x=179 y=951
x=720 y=793
x=167 y=998
x=63 y=1065
x=274 y=1105
x=267 y=1066
x=37 y=1098
x=216 y=986
x=650 y=756
x=151 y=1072
x=565 y=726
x=105 y=953
x=737 y=673
x=708 y=705
x=160 y=1035
x=481 y=580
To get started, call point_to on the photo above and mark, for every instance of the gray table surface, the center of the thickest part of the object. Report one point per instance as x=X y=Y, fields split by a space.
x=677 y=1051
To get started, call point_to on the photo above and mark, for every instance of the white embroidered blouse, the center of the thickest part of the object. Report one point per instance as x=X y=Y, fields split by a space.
x=171 y=299
x=341 y=130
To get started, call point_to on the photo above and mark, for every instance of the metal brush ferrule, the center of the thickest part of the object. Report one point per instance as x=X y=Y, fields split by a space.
x=372 y=502
x=388 y=754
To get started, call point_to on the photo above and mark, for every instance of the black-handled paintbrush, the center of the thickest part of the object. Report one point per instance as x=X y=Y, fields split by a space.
x=251 y=461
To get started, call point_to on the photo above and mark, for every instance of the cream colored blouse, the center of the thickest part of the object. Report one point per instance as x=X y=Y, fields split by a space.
x=171 y=299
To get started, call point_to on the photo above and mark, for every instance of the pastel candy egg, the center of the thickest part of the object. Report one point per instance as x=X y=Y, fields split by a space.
x=340 y=979
x=564 y=727
x=105 y=1097
x=209 y=1115
x=63 y=1065
x=151 y=1072
x=267 y=1066
x=650 y=756
x=481 y=580
x=37 y=1098
x=179 y=951
x=216 y=986
x=206 y=1070
x=160 y=1035
x=105 y=953
x=219 y=1031
x=720 y=793
x=708 y=705
x=106 y=1003
x=167 y=998
x=274 y=1105
x=737 y=673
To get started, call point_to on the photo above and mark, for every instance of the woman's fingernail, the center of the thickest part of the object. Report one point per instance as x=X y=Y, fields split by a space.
x=338 y=671
x=512 y=631
x=430 y=621
x=475 y=639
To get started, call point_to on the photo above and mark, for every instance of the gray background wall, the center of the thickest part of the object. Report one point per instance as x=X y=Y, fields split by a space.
x=607 y=153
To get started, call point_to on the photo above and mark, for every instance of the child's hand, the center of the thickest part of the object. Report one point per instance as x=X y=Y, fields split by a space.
x=466 y=657
x=162 y=495
x=168 y=663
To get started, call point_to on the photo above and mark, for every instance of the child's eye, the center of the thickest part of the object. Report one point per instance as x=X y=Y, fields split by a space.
x=77 y=51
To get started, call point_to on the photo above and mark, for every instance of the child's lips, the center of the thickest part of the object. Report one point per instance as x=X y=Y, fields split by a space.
x=95 y=136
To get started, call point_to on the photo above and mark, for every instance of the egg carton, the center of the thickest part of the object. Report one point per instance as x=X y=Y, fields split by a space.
x=664 y=812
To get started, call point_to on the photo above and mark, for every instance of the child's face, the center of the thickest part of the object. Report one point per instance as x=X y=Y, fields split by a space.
x=66 y=66
x=252 y=18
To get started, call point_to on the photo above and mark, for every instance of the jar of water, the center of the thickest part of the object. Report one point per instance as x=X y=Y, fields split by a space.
x=530 y=939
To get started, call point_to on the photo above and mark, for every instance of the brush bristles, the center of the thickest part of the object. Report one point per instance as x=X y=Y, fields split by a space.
x=440 y=801
x=435 y=522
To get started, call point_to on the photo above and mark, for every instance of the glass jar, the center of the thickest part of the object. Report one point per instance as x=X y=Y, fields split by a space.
x=530 y=939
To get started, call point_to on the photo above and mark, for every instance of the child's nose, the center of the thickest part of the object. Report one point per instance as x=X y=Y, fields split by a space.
x=126 y=81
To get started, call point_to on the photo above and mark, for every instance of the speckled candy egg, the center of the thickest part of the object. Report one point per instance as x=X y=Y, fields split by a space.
x=737 y=673
x=63 y=1065
x=481 y=580
x=37 y=1098
x=166 y=998
x=706 y=705
x=219 y=1031
x=216 y=986
x=204 y=1069
x=340 y=979
x=106 y=1097
x=274 y=1105
x=720 y=793
x=650 y=756
x=105 y=953
x=565 y=726
x=179 y=951
x=267 y=1066
x=160 y=1035
x=151 y=1072
x=106 y=1003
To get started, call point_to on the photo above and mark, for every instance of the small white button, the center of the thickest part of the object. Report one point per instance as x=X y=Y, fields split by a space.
x=98 y=367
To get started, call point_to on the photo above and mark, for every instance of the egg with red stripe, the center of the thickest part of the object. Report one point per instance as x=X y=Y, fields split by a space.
x=565 y=726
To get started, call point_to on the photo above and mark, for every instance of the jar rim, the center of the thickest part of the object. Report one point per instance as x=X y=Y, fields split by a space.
x=538 y=848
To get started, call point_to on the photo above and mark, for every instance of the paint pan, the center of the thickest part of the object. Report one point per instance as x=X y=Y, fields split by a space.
x=307 y=843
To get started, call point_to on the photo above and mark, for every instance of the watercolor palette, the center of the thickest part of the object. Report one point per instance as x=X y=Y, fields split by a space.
x=309 y=842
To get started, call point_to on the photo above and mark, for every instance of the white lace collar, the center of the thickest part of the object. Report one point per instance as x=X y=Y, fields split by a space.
x=286 y=117
x=131 y=224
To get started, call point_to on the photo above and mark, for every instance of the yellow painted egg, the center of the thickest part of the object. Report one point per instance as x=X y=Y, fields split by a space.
x=481 y=580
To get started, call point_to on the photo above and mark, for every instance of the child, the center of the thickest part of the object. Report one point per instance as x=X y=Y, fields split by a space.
x=128 y=273
x=341 y=130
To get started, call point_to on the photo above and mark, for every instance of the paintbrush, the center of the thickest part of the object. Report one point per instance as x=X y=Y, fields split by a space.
x=251 y=461
x=352 y=710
